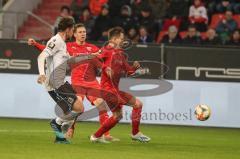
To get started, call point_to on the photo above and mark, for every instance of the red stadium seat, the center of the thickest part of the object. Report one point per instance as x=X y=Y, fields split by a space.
x=203 y=35
x=216 y=18
x=237 y=18
x=183 y=34
x=161 y=34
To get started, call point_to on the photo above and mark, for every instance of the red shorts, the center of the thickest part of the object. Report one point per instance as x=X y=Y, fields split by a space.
x=90 y=90
x=116 y=98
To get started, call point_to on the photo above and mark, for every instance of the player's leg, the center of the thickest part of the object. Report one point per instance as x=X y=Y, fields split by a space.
x=137 y=105
x=103 y=115
x=68 y=128
x=107 y=125
x=69 y=120
x=94 y=95
x=66 y=99
x=57 y=122
x=81 y=92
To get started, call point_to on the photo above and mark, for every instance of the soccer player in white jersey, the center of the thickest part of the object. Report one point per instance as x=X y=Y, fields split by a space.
x=57 y=59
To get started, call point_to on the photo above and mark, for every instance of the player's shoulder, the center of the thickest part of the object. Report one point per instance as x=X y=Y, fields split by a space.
x=55 y=38
x=55 y=42
x=71 y=44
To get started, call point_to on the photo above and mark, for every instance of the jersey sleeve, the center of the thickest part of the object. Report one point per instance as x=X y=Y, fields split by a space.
x=98 y=63
x=129 y=69
x=39 y=46
x=52 y=47
x=94 y=48
x=104 y=54
x=70 y=49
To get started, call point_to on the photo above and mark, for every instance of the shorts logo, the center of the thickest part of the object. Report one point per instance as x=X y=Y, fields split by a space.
x=70 y=100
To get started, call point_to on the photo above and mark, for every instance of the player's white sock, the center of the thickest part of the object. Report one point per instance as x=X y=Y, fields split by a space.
x=71 y=116
x=59 y=121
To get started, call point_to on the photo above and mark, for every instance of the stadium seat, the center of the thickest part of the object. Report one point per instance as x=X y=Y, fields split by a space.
x=216 y=18
x=161 y=34
x=48 y=10
x=237 y=18
x=203 y=35
x=183 y=34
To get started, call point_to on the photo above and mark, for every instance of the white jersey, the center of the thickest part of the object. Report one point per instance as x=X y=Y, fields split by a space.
x=56 y=62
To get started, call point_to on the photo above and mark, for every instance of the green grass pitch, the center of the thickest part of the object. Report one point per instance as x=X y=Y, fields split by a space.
x=33 y=139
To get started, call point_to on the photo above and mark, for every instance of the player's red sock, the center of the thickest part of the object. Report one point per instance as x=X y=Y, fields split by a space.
x=103 y=116
x=111 y=122
x=136 y=117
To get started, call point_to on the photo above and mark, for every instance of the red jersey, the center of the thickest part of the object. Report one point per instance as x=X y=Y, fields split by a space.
x=117 y=62
x=84 y=72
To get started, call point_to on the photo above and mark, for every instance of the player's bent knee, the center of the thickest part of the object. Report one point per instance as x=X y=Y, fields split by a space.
x=78 y=106
x=138 y=104
x=98 y=101
x=101 y=105
x=118 y=115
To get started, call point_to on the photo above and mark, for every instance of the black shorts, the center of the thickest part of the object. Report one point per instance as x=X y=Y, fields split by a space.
x=64 y=96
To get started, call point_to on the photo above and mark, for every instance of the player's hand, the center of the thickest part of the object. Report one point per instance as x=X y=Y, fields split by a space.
x=109 y=72
x=94 y=54
x=136 y=65
x=41 y=79
x=97 y=53
x=31 y=41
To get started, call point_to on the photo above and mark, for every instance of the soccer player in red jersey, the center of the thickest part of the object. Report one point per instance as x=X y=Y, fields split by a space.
x=114 y=66
x=83 y=76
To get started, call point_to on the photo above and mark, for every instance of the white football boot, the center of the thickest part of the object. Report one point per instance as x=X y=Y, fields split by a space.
x=140 y=137
x=98 y=139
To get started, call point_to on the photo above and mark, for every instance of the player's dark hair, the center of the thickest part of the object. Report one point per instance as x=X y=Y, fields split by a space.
x=65 y=8
x=79 y=25
x=65 y=23
x=115 y=32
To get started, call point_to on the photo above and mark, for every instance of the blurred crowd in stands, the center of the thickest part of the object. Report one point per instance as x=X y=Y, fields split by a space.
x=210 y=22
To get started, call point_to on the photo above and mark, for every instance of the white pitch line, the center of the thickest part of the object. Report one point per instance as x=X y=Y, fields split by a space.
x=25 y=131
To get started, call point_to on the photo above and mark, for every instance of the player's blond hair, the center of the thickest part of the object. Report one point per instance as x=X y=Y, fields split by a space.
x=115 y=32
x=79 y=25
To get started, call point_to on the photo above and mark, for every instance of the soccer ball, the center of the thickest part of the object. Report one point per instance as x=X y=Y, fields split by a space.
x=202 y=112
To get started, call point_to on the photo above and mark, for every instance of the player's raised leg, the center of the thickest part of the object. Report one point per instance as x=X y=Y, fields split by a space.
x=103 y=117
x=69 y=127
x=72 y=107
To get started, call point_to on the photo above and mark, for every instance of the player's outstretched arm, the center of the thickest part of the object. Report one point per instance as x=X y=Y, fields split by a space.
x=136 y=65
x=132 y=69
x=136 y=69
x=39 y=46
x=81 y=58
